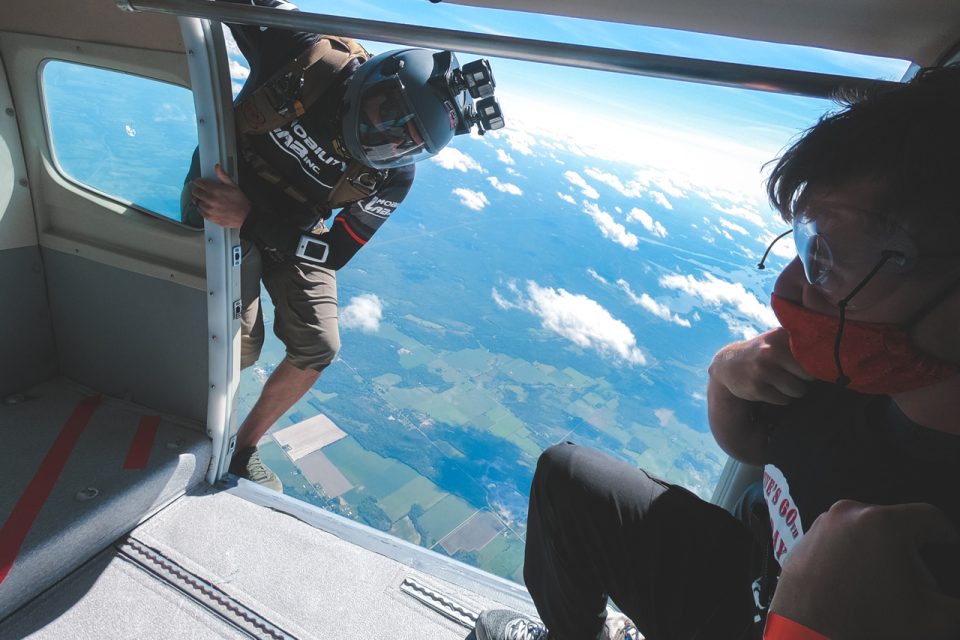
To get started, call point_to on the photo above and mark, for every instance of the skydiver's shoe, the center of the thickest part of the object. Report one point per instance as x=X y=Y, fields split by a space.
x=247 y=464
x=503 y=624
x=619 y=627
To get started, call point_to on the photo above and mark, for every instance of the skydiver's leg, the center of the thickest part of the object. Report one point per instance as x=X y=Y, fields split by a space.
x=678 y=566
x=305 y=320
x=251 y=317
x=267 y=49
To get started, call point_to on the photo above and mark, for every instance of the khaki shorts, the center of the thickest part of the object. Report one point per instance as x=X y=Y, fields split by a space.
x=305 y=303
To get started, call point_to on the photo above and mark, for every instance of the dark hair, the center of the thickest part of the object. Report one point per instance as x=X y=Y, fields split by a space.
x=907 y=139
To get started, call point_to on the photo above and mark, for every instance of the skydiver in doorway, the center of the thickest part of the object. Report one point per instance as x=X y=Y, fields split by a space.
x=322 y=126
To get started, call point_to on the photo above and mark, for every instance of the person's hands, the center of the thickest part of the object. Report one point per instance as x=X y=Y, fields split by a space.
x=761 y=369
x=858 y=574
x=222 y=202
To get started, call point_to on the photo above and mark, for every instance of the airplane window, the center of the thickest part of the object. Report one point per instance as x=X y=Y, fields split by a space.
x=128 y=137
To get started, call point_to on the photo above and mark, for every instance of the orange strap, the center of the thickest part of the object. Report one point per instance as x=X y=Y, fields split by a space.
x=780 y=628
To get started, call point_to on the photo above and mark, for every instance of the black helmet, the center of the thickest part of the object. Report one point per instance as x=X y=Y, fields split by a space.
x=406 y=105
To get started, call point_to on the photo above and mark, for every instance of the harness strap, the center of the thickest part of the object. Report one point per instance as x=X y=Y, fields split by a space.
x=297 y=85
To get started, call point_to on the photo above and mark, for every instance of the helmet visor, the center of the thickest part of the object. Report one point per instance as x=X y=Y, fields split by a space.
x=389 y=130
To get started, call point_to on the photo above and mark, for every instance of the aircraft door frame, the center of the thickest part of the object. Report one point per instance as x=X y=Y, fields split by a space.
x=210 y=80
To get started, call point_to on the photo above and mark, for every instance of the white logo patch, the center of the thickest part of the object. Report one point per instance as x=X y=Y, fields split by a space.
x=305 y=149
x=379 y=207
x=784 y=515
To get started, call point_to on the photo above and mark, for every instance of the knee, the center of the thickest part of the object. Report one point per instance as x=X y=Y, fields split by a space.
x=317 y=355
x=328 y=348
x=555 y=464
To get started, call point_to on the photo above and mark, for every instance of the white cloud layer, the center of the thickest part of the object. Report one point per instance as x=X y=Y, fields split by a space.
x=633 y=188
x=505 y=187
x=238 y=71
x=733 y=227
x=661 y=200
x=609 y=227
x=364 y=313
x=577 y=180
x=577 y=318
x=456 y=160
x=662 y=311
x=505 y=157
x=644 y=218
x=748 y=213
x=566 y=197
x=520 y=141
x=744 y=314
x=475 y=200
x=597 y=276
x=784 y=248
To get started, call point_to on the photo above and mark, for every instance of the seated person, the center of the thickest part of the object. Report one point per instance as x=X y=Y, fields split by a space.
x=855 y=397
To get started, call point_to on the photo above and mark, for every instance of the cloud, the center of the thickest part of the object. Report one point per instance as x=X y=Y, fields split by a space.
x=364 y=313
x=722 y=232
x=238 y=71
x=519 y=141
x=744 y=314
x=743 y=212
x=475 y=200
x=232 y=47
x=454 y=159
x=577 y=318
x=505 y=157
x=661 y=200
x=597 y=276
x=566 y=197
x=666 y=182
x=733 y=227
x=609 y=227
x=784 y=248
x=505 y=187
x=662 y=311
x=632 y=189
x=577 y=180
x=644 y=218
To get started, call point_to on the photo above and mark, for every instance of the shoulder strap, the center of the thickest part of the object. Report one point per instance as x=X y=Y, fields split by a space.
x=296 y=85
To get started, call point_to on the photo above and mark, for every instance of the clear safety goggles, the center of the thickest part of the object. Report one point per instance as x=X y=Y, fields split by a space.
x=839 y=249
x=389 y=129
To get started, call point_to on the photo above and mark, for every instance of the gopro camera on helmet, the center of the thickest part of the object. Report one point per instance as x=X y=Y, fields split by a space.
x=477 y=78
x=486 y=114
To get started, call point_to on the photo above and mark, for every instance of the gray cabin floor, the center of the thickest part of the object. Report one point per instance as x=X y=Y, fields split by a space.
x=240 y=561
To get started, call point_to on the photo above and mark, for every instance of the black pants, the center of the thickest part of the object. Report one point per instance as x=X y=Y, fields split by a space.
x=678 y=566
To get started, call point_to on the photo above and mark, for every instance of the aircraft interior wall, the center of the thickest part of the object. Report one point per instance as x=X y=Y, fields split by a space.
x=120 y=292
x=27 y=350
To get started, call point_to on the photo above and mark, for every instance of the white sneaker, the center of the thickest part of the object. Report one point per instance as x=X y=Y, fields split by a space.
x=619 y=627
x=503 y=624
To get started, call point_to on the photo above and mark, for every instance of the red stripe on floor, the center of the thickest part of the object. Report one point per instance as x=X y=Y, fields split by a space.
x=142 y=443
x=15 y=529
